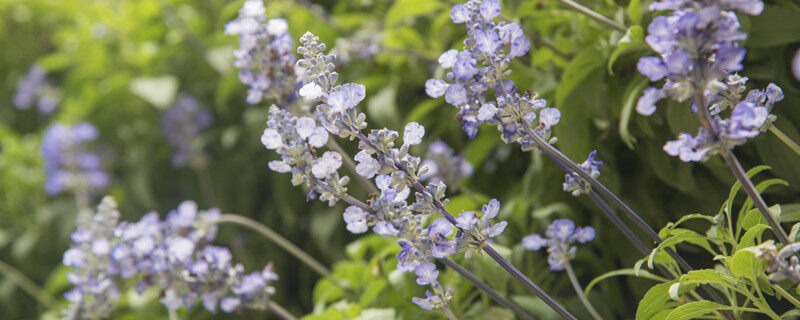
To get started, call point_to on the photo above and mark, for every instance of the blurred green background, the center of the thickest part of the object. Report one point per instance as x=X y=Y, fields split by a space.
x=120 y=63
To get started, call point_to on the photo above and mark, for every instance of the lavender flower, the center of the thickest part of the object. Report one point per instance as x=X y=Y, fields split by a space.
x=173 y=255
x=427 y=275
x=560 y=236
x=483 y=65
x=782 y=264
x=69 y=163
x=264 y=55
x=796 y=65
x=698 y=50
x=443 y=165
x=35 y=87
x=575 y=184
x=182 y=124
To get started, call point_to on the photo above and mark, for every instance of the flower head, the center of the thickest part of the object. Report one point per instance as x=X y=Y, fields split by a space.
x=560 y=236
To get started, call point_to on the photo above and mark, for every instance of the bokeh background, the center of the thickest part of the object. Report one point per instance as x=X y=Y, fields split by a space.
x=120 y=64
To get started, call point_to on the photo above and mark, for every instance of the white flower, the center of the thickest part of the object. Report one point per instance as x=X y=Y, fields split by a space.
x=271 y=139
x=277 y=27
x=310 y=91
x=413 y=133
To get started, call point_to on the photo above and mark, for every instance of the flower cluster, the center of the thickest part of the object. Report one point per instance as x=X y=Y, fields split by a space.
x=783 y=264
x=264 y=55
x=182 y=123
x=36 y=87
x=294 y=139
x=698 y=50
x=483 y=65
x=444 y=165
x=396 y=173
x=560 y=236
x=69 y=163
x=173 y=255
x=575 y=184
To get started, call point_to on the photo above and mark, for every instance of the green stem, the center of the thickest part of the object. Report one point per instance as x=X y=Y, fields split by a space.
x=578 y=290
x=280 y=311
x=27 y=285
x=784 y=138
x=277 y=239
x=449 y=313
x=594 y=15
x=764 y=306
x=173 y=314
x=786 y=295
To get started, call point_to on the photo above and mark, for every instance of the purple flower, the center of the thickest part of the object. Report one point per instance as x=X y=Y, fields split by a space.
x=560 y=236
x=346 y=97
x=426 y=274
x=69 y=162
x=182 y=123
x=575 y=184
x=35 y=87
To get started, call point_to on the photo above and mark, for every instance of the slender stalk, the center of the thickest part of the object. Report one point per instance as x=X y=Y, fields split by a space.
x=496 y=296
x=173 y=314
x=736 y=168
x=578 y=290
x=277 y=239
x=593 y=15
x=528 y=284
x=27 y=285
x=448 y=312
x=280 y=311
x=786 y=295
x=784 y=138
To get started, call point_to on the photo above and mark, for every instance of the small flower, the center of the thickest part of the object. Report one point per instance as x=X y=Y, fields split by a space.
x=356 y=219
x=560 y=236
x=346 y=97
x=413 y=133
x=575 y=184
x=69 y=162
x=426 y=274
x=311 y=91
x=435 y=87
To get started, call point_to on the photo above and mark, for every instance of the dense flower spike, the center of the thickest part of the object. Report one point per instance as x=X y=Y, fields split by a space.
x=444 y=165
x=698 y=50
x=265 y=55
x=174 y=255
x=575 y=184
x=35 y=87
x=396 y=173
x=182 y=123
x=483 y=65
x=783 y=264
x=558 y=240
x=69 y=162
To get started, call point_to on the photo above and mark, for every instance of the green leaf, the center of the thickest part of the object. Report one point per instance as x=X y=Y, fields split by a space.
x=576 y=71
x=622 y=272
x=753 y=235
x=680 y=236
x=405 y=9
x=697 y=309
x=737 y=185
x=158 y=91
x=631 y=98
x=635 y=11
x=774 y=26
x=654 y=301
x=377 y=314
x=632 y=41
x=745 y=264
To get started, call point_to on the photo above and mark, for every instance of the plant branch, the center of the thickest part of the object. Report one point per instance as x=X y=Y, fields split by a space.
x=278 y=240
x=27 y=285
x=280 y=311
x=579 y=291
x=594 y=15
x=784 y=138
